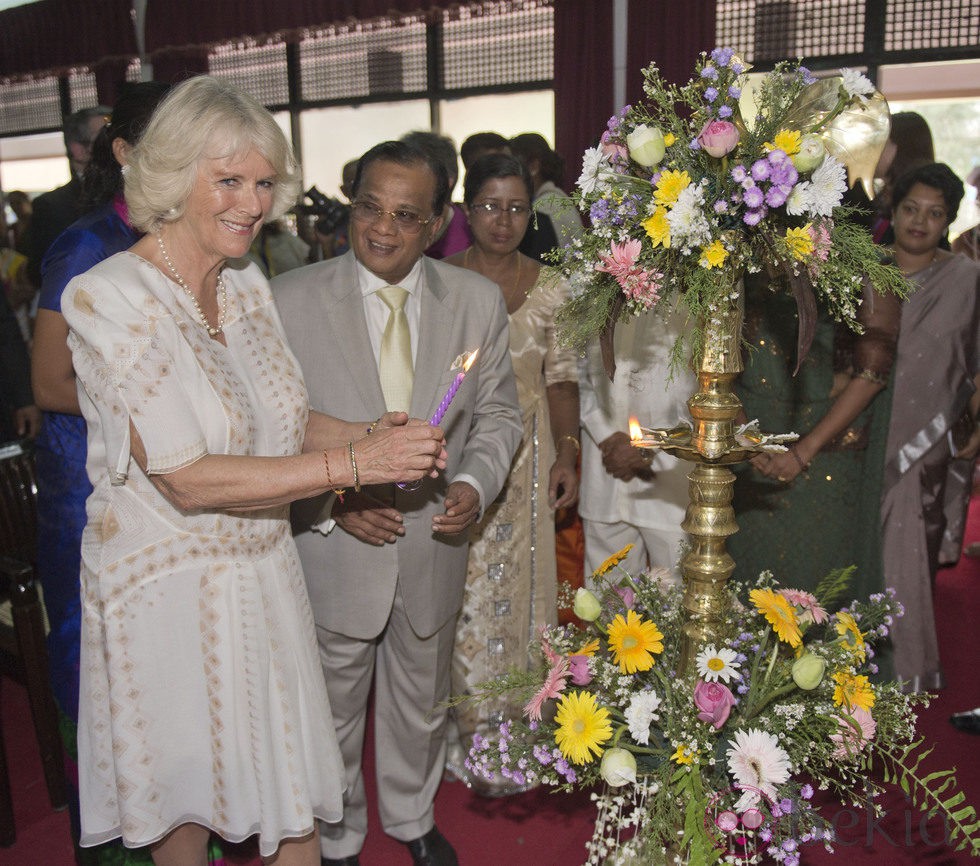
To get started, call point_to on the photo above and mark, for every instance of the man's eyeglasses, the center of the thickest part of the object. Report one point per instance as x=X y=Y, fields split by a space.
x=491 y=209
x=406 y=220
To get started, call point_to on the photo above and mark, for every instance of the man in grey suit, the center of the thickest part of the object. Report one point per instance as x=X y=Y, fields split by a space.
x=386 y=582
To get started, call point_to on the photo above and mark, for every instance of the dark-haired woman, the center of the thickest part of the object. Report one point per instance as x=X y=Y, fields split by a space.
x=511 y=582
x=936 y=368
x=62 y=482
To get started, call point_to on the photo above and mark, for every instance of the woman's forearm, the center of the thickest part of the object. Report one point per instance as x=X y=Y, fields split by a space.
x=52 y=374
x=856 y=396
x=563 y=408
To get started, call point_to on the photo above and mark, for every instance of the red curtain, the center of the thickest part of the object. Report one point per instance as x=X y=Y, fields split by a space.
x=671 y=32
x=583 y=78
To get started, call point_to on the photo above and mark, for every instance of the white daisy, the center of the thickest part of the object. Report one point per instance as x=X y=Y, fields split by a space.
x=827 y=187
x=688 y=223
x=714 y=664
x=640 y=715
x=799 y=199
x=759 y=764
x=595 y=168
x=856 y=84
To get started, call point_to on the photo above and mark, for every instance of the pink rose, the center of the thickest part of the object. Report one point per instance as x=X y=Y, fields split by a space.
x=715 y=702
x=612 y=148
x=578 y=668
x=718 y=138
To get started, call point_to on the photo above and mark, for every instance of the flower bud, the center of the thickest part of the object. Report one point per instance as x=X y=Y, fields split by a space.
x=718 y=138
x=618 y=767
x=578 y=668
x=810 y=154
x=586 y=605
x=646 y=145
x=808 y=671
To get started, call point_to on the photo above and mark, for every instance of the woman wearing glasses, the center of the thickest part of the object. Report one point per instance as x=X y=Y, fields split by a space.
x=511 y=583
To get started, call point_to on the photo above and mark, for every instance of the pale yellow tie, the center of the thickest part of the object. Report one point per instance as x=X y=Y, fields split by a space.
x=395 y=364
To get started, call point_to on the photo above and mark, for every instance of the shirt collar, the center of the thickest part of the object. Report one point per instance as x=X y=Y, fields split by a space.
x=369 y=283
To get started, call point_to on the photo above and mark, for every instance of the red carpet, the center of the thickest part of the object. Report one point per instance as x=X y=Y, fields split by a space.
x=542 y=829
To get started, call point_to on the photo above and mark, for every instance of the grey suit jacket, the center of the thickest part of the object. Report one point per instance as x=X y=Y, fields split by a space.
x=352 y=584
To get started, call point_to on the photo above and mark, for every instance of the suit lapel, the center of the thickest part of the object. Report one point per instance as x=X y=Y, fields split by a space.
x=435 y=350
x=344 y=310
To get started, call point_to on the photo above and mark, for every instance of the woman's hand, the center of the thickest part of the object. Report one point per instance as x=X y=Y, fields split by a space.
x=405 y=453
x=782 y=466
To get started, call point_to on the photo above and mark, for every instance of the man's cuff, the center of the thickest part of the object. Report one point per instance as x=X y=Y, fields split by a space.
x=324 y=523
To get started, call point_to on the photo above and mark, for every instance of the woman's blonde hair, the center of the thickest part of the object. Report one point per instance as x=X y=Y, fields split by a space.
x=202 y=118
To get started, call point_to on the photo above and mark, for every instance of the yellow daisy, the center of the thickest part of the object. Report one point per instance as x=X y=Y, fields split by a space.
x=589 y=649
x=657 y=228
x=582 y=727
x=684 y=754
x=847 y=628
x=634 y=642
x=800 y=242
x=853 y=690
x=714 y=255
x=786 y=140
x=613 y=560
x=669 y=139
x=780 y=614
x=669 y=186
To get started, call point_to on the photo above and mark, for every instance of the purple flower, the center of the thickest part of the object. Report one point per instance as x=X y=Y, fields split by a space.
x=724 y=111
x=760 y=169
x=722 y=56
x=734 y=92
x=711 y=94
x=721 y=206
x=753 y=197
x=752 y=217
x=775 y=197
x=806 y=792
x=737 y=68
x=807 y=76
x=694 y=144
x=709 y=72
x=786 y=804
x=784 y=174
x=776 y=156
x=599 y=212
x=739 y=174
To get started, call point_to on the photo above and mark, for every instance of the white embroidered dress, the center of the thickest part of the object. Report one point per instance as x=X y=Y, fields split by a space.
x=202 y=697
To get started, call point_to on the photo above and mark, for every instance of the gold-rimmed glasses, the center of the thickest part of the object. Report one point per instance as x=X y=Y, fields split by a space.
x=406 y=220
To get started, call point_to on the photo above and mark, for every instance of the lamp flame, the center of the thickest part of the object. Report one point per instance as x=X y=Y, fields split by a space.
x=636 y=435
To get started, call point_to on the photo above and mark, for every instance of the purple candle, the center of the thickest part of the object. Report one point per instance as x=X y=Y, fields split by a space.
x=438 y=415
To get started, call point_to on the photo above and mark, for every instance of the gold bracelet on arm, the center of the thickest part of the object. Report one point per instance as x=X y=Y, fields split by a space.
x=337 y=490
x=573 y=440
x=353 y=466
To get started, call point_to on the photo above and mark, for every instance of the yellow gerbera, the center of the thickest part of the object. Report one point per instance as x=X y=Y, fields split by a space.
x=582 y=727
x=684 y=754
x=657 y=228
x=714 y=255
x=786 y=140
x=589 y=649
x=847 y=628
x=669 y=139
x=613 y=561
x=853 y=690
x=669 y=186
x=800 y=242
x=634 y=642
x=780 y=614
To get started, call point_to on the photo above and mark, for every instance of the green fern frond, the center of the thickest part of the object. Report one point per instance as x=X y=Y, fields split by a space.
x=834 y=586
x=935 y=793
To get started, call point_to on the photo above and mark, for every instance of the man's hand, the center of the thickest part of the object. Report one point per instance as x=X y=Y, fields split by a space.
x=368 y=519
x=462 y=507
x=621 y=460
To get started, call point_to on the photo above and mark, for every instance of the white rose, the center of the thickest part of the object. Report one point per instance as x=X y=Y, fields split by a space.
x=810 y=155
x=618 y=767
x=646 y=145
x=586 y=607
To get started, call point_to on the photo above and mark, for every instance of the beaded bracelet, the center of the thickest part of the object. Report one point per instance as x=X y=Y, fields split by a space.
x=353 y=466
x=340 y=491
x=373 y=427
x=799 y=460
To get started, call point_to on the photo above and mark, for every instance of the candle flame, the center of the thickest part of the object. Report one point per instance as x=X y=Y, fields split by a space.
x=469 y=361
x=635 y=433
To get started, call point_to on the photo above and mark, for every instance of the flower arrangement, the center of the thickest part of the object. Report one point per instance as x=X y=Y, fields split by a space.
x=718 y=765
x=683 y=196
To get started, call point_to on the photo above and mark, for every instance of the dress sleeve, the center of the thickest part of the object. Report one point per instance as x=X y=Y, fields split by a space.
x=132 y=363
x=560 y=362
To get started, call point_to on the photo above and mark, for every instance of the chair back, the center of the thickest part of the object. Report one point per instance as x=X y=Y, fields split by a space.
x=18 y=502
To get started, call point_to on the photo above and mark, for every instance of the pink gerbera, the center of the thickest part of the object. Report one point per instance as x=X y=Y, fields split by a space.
x=549 y=653
x=808 y=609
x=621 y=259
x=554 y=685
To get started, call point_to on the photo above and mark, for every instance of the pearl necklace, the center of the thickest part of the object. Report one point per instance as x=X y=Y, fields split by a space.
x=222 y=294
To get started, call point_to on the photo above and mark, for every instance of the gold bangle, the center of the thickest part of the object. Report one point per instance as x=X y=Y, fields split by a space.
x=573 y=440
x=338 y=490
x=799 y=460
x=353 y=466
